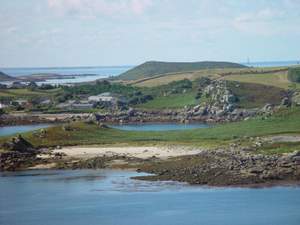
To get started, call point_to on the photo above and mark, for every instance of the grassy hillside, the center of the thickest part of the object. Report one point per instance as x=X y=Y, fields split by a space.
x=5 y=77
x=252 y=95
x=171 y=102
x=178 y=94
x=25 y=93
x=278 y=79
x=294 y=74
x=153 y=68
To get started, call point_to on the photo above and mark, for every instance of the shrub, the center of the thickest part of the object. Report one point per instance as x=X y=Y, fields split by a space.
x=294 y=74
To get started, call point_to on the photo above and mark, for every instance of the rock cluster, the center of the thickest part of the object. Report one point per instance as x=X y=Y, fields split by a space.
x=13 y=160
x=227 y=167
x=19 y=144
x=19 y=153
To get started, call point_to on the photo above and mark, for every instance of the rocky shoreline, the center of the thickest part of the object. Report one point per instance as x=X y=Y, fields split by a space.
x=195 y=114
x=229 y=167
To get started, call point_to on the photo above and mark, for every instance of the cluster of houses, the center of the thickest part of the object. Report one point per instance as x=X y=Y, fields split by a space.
x=106 y=99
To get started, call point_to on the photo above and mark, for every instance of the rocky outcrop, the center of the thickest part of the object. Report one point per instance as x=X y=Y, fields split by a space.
x=7 y=119
x=296 y=98
x=18 y=154
x=217 y=100
x=227 y=167
x=19 y=144
x=13 y=160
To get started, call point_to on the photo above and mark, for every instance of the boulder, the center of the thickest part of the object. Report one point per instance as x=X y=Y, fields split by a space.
x=267 y=108
x=19 y=144
x=285 y=101
x=296 y=98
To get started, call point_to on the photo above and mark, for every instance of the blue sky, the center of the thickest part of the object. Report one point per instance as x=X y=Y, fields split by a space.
x=127 y=32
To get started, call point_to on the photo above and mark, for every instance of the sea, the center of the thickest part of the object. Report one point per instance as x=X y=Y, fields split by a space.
x=111 y=197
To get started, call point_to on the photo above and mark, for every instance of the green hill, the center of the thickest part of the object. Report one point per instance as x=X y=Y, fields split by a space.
x=5 y=77
x=153 y=68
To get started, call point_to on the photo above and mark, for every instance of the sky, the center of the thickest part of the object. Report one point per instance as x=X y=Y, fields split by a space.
x=44 y=33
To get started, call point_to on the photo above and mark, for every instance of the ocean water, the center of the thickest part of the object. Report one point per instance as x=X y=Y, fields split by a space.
x=159 y=126
x=9 y=130
x=104 y=71
x=108 y=197
x=273 y=63
x=83 y=74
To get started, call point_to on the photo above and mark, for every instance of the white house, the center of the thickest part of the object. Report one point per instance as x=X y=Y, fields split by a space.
x=104 y=97
x=2 y=106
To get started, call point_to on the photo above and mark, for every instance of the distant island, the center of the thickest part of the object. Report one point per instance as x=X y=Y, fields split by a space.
x=5 y=77
x=40 y=77
x=153 y=68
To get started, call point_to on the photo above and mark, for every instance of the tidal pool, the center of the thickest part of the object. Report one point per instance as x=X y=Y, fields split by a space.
x=159 y=126
x=9 y=130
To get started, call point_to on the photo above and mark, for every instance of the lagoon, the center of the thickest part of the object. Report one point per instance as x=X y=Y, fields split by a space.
x=10 y=130
x=159 y=126
x=110 y=197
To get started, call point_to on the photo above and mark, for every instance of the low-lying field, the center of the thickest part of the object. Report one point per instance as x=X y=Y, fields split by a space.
x=284 y=122
x=170 y=102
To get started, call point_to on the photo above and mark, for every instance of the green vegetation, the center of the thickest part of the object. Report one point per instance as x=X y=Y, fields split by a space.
x=294 y=74
x=253 y=95
x=134 y=95
x=172 y=101
x=280 y=147
x=176 y=94
x=278 y=79
x=98 y=88
x=25 y=93
x=284 y=122
x=153 y=68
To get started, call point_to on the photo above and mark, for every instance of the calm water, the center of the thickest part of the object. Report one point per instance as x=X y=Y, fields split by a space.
x=91 y=73
x=105 y=71
x=273 y=63
x=159 y=126
x=102 y=197
x=9 y=130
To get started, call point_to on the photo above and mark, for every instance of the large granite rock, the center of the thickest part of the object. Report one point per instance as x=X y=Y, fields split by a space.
x=19 y=144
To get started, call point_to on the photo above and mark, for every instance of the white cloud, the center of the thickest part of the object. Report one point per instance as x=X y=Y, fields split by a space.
x=262 y=22
x=92 y=8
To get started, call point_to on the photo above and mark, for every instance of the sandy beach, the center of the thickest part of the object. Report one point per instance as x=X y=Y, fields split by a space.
x=163 y=152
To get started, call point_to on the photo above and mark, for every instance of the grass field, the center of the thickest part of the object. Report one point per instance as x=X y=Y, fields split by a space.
x=168 y=78
x=25 y=93
x=170 y=102
x=252 y=95
x=267 y=77
x=279 y=79
x=285 y=122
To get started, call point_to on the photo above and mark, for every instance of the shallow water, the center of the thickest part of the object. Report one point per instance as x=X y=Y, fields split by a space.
x=105 y=197
x=9 y=130
x=105 y=70
x=159 y=126
x=90 y=73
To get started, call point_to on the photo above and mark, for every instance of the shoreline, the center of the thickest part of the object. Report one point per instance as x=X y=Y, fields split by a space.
x=215 y=168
